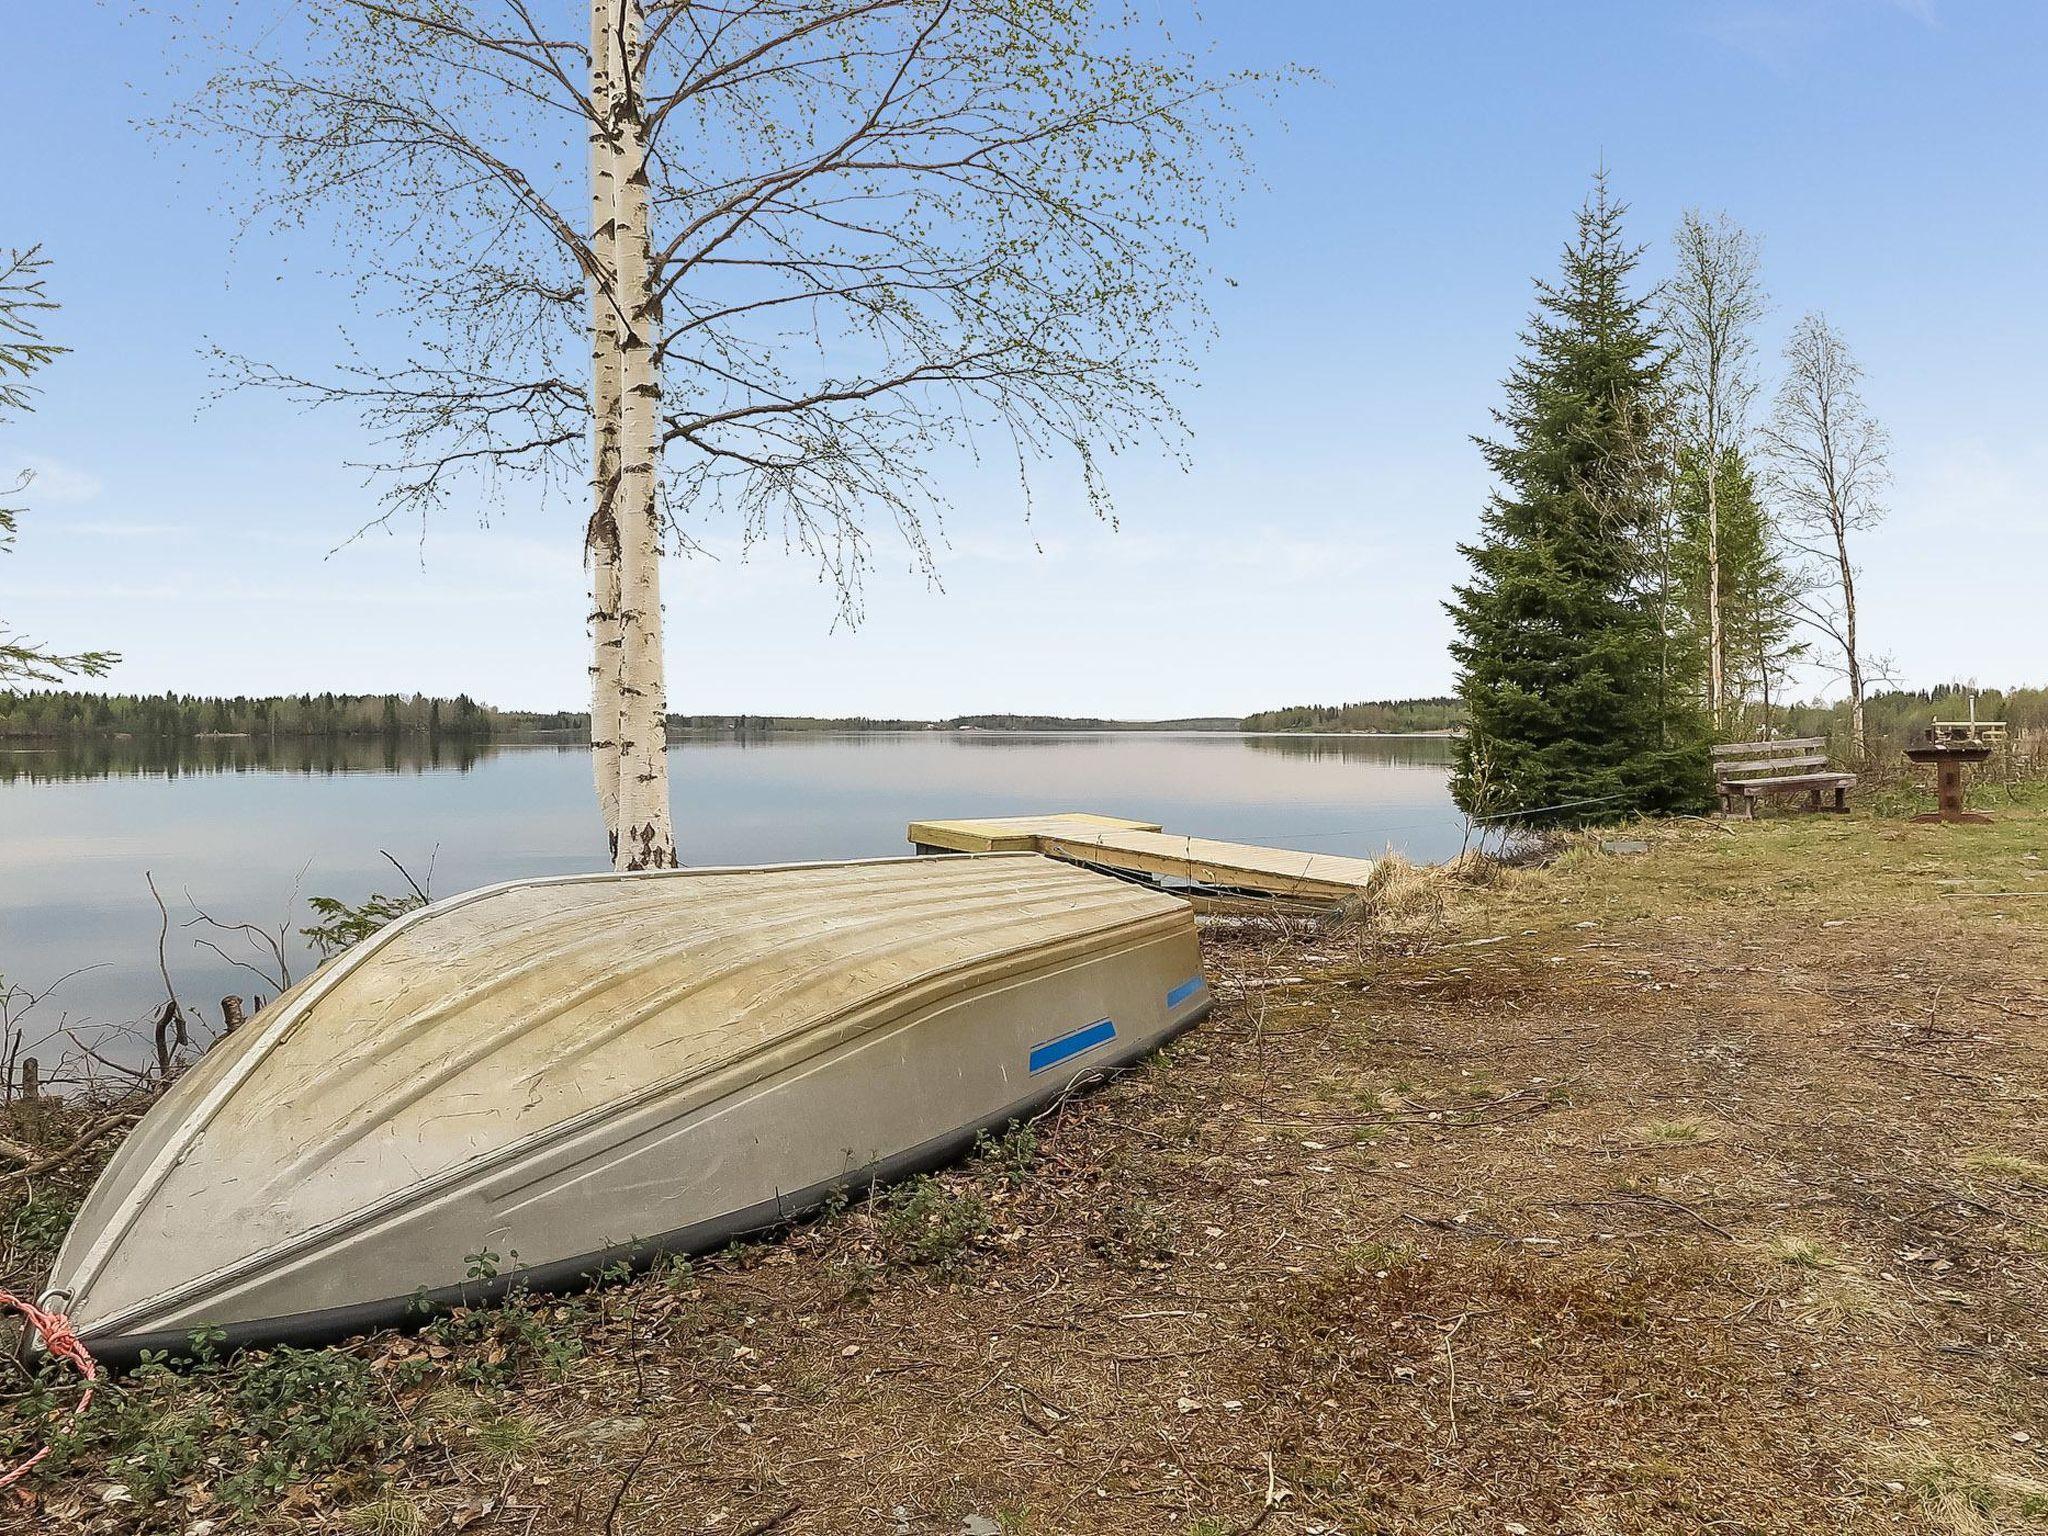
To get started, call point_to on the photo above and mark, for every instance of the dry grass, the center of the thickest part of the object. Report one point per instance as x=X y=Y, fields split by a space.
x=384 y=1517
x=2006 y=1165
x=1636 y=1195
x=1800 y=1252
x=1684 y=1131
x=1966 y=1493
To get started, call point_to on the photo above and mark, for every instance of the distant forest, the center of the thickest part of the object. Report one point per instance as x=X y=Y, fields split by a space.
x=577 y=722
x=1893 y=717
x=1084 y=723
x=64 y=713
x=1390 y=716
x=1896 y=716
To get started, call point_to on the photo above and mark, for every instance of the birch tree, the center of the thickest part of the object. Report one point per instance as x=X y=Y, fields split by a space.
x=832 y=248
x=1829 y=459
x=1712 y=303
x=1758 y=589
x=25 y=350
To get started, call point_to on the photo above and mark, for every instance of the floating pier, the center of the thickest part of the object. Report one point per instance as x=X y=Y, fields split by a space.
x=1216 y=876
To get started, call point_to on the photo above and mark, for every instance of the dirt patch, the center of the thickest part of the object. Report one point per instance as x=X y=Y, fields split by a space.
x=1690 y=1190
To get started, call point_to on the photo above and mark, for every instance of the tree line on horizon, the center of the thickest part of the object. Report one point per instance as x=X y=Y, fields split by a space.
x=1654 y=563
x=1892 y=716
x=54 y=712
x=1388 y=716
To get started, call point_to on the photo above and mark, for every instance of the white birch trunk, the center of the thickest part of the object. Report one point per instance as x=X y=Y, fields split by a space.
x=1717 y=696
x=646 y=837
x=1854 y=658
x=601 y=543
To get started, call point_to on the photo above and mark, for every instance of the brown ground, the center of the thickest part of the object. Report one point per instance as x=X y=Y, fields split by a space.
x=1703 y=1190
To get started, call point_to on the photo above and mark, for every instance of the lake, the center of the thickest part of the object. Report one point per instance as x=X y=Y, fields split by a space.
x=245 y=832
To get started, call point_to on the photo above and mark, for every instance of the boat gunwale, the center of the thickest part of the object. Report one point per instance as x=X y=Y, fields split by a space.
x=317 y=986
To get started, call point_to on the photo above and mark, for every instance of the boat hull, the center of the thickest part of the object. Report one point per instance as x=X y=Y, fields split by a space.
x=1040 y=981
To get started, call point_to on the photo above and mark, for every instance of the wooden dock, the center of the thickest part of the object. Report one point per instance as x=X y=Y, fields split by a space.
x=1217 y=876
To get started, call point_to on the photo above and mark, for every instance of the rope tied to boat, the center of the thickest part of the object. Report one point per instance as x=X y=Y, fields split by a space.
x=63 y=1343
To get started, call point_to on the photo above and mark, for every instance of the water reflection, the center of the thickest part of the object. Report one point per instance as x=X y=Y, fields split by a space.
x=57 y=761
x=1422 y=751
x=102 y=757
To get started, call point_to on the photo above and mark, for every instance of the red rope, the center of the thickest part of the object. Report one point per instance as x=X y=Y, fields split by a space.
x=63 y=1344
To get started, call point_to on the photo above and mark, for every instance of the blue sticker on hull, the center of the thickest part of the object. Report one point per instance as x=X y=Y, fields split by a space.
x=1184 y=991
x=1051 y=1053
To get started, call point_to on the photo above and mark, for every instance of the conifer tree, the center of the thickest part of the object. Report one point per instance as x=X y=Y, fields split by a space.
x=1564 y=667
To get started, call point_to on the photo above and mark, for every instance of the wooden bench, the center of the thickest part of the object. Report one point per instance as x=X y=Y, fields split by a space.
x=1799 y=766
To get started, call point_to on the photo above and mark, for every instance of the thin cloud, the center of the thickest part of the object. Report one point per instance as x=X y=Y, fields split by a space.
x=57 y=483
x=1782 y=33
x=116 y=528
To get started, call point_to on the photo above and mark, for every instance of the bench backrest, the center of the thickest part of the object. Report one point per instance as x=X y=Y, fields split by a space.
x=1737 y=760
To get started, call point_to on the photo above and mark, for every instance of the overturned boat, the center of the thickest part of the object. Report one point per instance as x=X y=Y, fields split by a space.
x=535 y=1081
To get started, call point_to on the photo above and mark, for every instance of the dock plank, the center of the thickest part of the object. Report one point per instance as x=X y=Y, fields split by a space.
x=1146 y=849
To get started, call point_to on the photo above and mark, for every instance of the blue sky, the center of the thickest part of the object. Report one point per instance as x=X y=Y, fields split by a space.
x=1888 y=152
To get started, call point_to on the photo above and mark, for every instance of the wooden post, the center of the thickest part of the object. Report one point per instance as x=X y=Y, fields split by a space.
x=31 y=1078
x=1951 y=779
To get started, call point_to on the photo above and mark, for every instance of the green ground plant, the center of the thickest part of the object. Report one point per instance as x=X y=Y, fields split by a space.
x=925 y=1225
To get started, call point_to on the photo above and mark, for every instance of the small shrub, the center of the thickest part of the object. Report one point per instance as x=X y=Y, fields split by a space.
x=1136 y=1233
x=40 y=1225
x=341 y=925
x=245 y=1431
x=493 y=1345
x=1012 y=1154
x=923 y=1225
x=674 y=1272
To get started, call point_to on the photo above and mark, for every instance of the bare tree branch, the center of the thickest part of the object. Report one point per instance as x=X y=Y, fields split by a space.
x=1829 y=461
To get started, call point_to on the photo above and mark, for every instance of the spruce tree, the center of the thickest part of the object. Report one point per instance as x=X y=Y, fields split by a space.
x=1573 y=712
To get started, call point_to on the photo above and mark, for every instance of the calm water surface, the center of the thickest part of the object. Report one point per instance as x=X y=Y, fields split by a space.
x=247 y=833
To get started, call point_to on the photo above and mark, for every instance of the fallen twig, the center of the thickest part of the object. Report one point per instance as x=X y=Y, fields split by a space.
x=1676 y=1205
x=611 y=1516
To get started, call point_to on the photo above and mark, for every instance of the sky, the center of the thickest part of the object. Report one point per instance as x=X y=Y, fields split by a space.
x=1888 y=153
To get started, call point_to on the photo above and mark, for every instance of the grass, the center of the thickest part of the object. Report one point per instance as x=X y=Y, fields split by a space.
x=1968 y=1494
x=1800 y=1252
x=1685 y=1131
x=1834 y=1303
x=385 y=1517
x=2005 y=1165
x=1408 y=1238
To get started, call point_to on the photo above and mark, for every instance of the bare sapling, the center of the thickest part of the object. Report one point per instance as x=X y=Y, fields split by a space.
x=1712 y=304
x=1829 y=462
